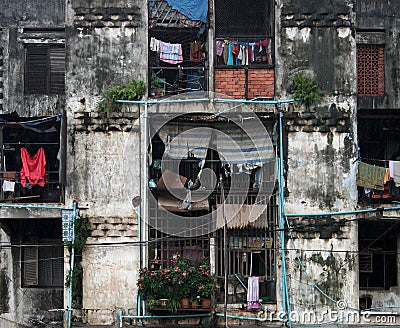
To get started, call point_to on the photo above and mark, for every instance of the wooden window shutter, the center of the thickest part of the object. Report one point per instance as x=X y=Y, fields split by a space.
x=36 y=70
x=57 y=70
x=31 y=277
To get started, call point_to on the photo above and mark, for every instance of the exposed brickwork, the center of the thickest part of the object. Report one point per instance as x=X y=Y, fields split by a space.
x=107 y=17
x=245 y=83
x=260 y=83
x=231 y=82
x=113 y=227
x=93 y=122
x=338 y=16
x=326 y=119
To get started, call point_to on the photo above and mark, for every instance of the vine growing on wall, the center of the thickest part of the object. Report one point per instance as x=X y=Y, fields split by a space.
x=306 y=89
x=134 y=90
x=82 y=230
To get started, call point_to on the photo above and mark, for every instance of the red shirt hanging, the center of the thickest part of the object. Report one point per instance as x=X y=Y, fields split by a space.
x=33 y=168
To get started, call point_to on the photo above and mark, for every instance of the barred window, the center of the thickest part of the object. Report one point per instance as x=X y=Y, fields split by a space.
x=45 y=70
x=370 y=70
x=238 y=18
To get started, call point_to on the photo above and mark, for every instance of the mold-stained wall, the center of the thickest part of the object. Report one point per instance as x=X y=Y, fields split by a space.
x=23 y=23
x=20 y=22
x=106 y=46
x=317 y=39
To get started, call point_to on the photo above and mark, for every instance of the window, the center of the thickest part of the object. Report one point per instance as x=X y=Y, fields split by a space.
x=35 y=135
x=177 y=43
x=45 y=70
x=378 y=254
x=43 y=265
x=237 y=18
x=370 y=70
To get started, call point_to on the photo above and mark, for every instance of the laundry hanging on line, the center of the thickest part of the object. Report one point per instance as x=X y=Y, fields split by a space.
x=233 y=52
x=33 y=170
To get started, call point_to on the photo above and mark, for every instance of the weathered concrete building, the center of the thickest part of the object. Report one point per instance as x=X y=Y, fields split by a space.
x=306 y=208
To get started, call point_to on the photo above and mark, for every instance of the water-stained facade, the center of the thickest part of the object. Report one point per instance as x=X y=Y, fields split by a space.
x=57 y=59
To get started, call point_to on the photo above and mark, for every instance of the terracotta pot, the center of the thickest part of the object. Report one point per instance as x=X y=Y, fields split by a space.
x=206 y=303
x=185 y=303
x=194 y=304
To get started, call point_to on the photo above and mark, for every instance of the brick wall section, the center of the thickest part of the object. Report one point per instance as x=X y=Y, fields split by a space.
x=232 y=82
x=99 y=17
x=261 y=83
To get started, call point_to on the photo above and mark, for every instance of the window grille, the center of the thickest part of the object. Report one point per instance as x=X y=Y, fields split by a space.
x=365 y=262
x=45 y=70
x=237 y=18
x=162 y=247
x=251 y=250
x=370 y=70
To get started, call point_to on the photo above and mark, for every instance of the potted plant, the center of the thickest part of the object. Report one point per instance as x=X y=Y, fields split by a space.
x=207 y=284
x=156 y=85
x=152 y=285
x=185 y=279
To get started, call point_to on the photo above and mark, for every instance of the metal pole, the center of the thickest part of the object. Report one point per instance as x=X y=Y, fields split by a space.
x=225 y=254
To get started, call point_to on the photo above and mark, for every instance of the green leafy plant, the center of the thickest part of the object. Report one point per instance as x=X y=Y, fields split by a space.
x=174 y=304
x=155 y=81
x=81 y=230
x=306 y=89
x=134 y=90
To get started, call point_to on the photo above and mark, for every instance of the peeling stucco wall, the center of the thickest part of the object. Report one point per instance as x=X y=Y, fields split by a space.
x=317 y=39
x=106 y=46
x=20 y=21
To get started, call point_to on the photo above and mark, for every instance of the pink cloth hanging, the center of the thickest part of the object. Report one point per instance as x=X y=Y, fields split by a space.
x=253 y=292
x=33 y=168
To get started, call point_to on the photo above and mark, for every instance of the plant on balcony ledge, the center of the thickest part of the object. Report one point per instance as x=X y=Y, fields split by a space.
x=134 y=90
x=183 y=279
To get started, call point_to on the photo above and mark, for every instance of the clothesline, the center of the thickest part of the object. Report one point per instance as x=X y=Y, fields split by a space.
x=171 y=53
x=375 y=177
x=234 y=52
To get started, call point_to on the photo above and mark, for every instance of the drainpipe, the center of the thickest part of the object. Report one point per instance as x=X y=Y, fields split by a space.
x=370 y=210
x=71 y=269
x=285 y=292
x=145 y=181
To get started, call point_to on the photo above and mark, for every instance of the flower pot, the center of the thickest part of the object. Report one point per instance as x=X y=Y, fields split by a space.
x=163 y=302
x=206 y=303
x=185 y=303
x=194 y=304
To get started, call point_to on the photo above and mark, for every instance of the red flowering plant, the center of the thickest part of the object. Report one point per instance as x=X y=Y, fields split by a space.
x=183 y=279
x=207 y=284
x=153 y=283
x=186 y=274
